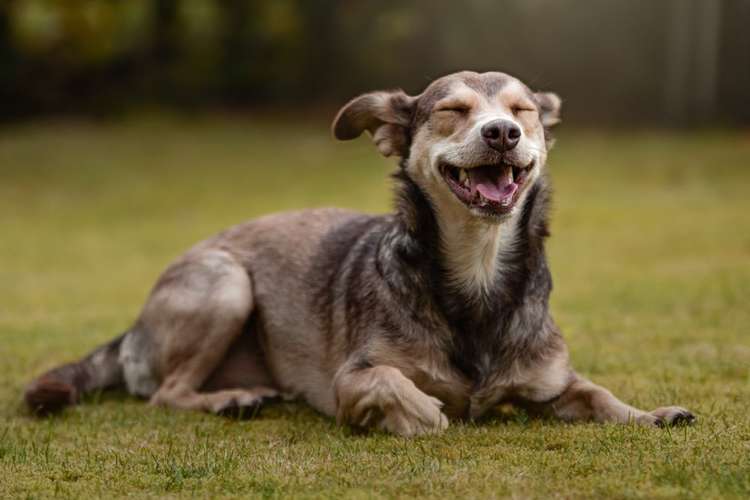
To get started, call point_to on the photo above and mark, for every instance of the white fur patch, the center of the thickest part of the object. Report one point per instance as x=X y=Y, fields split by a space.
x=473 y=249
x=136 y=369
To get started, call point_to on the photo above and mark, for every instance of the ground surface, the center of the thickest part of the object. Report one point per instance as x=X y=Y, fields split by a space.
x=651 y=258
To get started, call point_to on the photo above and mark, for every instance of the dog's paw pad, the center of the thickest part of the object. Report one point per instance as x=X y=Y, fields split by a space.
x=244 y=409
x=682 y=418
x=238 y=411
x=672 y=417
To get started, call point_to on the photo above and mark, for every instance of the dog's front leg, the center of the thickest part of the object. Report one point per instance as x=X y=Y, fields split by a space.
x=383 y=397
x=584 y=400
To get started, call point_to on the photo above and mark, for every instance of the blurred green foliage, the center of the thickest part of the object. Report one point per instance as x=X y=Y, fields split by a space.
x=682 y=61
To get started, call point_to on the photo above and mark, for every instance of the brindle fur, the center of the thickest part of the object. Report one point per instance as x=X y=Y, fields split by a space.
x=398 y=321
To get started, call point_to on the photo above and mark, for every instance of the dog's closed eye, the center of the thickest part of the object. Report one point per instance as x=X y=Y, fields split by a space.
x=452 y=106
x=460 y=109
x=522 y=108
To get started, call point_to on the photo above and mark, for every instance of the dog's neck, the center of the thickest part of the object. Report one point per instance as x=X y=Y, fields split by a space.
x=468 y=257
x=472 y=249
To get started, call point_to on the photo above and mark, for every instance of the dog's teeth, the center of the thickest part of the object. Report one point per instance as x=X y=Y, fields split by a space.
x=510 y=175
x=462 y=177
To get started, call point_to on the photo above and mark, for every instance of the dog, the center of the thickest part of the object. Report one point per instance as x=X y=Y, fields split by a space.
x=398 y=322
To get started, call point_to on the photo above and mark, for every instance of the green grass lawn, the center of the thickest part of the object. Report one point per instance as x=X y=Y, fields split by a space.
x=651 y=258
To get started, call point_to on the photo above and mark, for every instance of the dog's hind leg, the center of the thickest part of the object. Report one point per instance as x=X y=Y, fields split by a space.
x=195 y=313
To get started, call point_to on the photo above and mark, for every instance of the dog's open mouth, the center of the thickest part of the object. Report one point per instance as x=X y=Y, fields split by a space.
x=490 y=188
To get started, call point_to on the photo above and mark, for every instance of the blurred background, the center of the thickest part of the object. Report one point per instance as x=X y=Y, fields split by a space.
x=616 y=62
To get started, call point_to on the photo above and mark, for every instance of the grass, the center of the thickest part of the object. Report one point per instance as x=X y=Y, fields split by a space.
x=651 y=258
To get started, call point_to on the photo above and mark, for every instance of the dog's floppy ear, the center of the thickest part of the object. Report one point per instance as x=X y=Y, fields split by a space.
x=549 y=108
x=385 y=115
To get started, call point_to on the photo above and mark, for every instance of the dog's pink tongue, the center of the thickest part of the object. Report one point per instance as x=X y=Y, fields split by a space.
x=493 y=183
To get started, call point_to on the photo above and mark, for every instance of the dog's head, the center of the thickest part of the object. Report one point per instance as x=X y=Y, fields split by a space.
x=473 y=141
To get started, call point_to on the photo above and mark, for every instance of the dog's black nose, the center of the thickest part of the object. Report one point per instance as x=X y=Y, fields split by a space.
x=501 y=135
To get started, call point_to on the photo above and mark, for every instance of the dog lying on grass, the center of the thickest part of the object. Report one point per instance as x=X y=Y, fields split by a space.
x=401 y=321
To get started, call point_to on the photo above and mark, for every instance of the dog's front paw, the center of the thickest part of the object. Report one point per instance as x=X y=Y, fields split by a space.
x=667 y=416
x=416 y=416
x=382 y=397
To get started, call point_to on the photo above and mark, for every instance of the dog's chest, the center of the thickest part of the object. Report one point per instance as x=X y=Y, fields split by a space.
x=462 y=396
x=483 y=367
x=466 y=398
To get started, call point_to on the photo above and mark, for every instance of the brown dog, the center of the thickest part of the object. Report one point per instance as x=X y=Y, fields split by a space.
x=400 y=321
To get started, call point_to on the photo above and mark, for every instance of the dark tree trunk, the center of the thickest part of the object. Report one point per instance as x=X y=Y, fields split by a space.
x=322 y=55
x=165 y=31
x=164 y=49
x=240 y=60
x=8 y=61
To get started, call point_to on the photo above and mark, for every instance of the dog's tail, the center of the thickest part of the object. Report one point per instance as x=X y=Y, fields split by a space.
x=64 y=385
